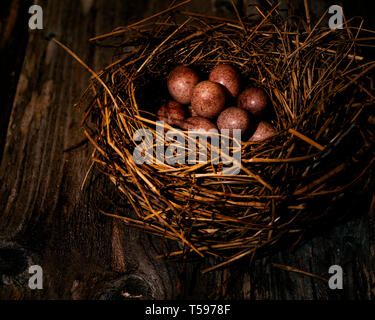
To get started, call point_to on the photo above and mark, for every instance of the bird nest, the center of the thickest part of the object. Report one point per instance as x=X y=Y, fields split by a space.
x=320 y=89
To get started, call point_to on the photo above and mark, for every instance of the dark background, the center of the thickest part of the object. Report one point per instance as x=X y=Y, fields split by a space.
x=47 y=219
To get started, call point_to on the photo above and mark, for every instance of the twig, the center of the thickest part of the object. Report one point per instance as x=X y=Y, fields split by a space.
x=292 y=269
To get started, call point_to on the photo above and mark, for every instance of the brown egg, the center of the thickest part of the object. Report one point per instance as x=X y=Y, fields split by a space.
x=208 y=99
x=254 y=100
x=234 y=118
x=228 y=77
x=172 y=113
x=181 y=82
x=199 y=124
x=263 y=131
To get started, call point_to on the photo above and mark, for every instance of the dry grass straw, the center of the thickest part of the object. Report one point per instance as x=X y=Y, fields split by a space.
x=320 y=89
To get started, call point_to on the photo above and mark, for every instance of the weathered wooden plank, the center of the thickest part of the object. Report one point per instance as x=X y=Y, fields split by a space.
x=42 y=205
x=13 y=40
x=46 y=219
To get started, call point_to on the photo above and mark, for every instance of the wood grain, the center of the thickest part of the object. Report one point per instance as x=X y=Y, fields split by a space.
x=46 y=219
x=13 y=42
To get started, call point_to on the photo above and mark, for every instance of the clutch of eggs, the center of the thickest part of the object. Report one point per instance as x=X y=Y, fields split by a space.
x=216 y=103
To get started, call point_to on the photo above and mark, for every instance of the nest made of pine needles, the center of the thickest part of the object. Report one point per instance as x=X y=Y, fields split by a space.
x=321 y=91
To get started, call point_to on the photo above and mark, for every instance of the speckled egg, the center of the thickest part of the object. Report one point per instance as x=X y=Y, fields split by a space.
x=254 y=100
x=228 y=77
x=234 y=118
x=208 y=99
x=199 y=124
x=263 y=131
x=172 y=113
x=181 y=82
